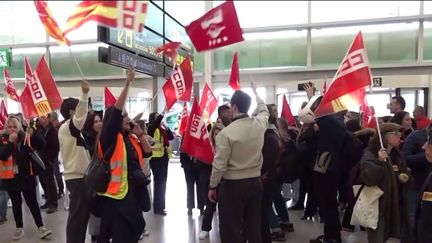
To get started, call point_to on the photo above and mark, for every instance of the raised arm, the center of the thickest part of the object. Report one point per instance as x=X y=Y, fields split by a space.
x=121 y=101
x=261 y=113
x=81 y=109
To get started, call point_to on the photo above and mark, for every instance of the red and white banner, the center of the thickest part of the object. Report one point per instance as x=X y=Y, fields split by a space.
x=196 y=140
x=10 y=89
x=286 y=112
x=208 y=103
x=367 y=115
x=346 y=89
x=184 y=119
x=3 y=115
x=170 y=49
x=234 y=81
x=218 y=27
x=109 y=98
x=179 y=85
x=40 y=95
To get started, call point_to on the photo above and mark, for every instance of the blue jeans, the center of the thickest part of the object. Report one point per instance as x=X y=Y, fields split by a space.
x=4 y=197
x=273 y=220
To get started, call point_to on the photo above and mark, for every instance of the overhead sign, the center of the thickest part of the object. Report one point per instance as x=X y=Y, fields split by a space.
x=5 y=60
x=124 y=59
x=377 y=82
x=144 y=43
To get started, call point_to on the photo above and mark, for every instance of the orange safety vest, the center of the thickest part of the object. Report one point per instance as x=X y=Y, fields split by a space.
x=116 y=162
x=6 y=167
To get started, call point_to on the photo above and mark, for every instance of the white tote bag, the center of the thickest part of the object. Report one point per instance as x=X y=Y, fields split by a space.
x=366 y=208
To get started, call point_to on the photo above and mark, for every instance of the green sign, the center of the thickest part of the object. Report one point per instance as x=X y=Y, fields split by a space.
x=5 y=57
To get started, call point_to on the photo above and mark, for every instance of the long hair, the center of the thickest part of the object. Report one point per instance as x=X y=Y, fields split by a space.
x=17 y=123
x=88 y=125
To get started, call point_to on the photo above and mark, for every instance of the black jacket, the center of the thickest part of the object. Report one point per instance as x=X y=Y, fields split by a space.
x=424 y=223
x=49 y=154
x=415 y=157
x=21 y=155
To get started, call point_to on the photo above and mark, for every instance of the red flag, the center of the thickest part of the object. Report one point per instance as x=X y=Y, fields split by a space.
x=49 y=23
x=367 y=115
x=286 y=112
x=208 y=102
x=40 y=95
x=346 y=88
x=179 y=85
x=170 y=49
x=110 y=99
x=196 y=140
x=218 y=27
x=3 y=114
x=184 y=119
x=234 y=81
x=10 y=89
x=325 y=87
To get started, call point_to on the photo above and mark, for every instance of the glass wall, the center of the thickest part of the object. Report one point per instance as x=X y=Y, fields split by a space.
x=185 y=11
x=327 y=11
x=427 y=7
x=260 y=50
x=427 y=42
x=330 y=45
x=33 y=55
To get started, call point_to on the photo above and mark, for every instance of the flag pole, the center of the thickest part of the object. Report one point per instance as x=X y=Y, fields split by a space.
x=76 y=62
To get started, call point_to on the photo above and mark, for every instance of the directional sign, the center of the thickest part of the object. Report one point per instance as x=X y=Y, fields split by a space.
x=5 y=57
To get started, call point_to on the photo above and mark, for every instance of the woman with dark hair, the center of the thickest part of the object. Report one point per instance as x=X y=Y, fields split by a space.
x=159 y=161
x=123 y=144
x=92 y=128
x=386 y=168
x=403 y=118
x=17 y=172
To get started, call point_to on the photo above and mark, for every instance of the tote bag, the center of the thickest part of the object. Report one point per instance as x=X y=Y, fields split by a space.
x=366 y=208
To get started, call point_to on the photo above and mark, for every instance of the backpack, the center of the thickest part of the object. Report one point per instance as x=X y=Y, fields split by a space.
x=291 y=165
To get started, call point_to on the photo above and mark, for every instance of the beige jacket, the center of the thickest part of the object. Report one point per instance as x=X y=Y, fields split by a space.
x=238 y=147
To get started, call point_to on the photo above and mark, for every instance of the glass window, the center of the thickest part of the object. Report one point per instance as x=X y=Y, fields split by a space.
x=261 y=50
x=63 y=64
x=61 y=11
x=380 y=101
x=224 y=96
x=427 y=7
x=18 y=54
x=6 y=30
x=154 y=18
x=329 y=46
x=198 y=62
x=269 y=13
x=160 y=3
x=23 y=23
x=427 y=42
x=175 y=32
x=327 y=11
x=185 y=11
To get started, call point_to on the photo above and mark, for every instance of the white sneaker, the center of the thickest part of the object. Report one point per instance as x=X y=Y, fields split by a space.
x=203 y=235
x=44 y=232
x=19 y=233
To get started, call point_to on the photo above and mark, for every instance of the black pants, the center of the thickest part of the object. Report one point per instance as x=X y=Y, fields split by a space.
x=79 y=211
x=122 y=220
x=59 y=178
x=210 y=208
x=192 y=176
x=49 y=184
x=29 y=193
x=279 y=203
x=240 y=210
x=267 y=198
x=326 y=187
x=311 y=202
x=159 y=167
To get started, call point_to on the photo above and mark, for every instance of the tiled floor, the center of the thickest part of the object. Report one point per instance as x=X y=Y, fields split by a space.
x=176 y=227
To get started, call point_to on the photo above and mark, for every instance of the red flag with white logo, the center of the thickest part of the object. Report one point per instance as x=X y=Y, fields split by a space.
x=184 y=119
x=109 y=98
x=40 y=95
x=3 y=114
x=179 y=85
x=10 y=89
x=234 y=81
x=346 y=89
x=196 y=140
x=286 y=112
x=170 y=49
x=209 y=102
x=367 y=115
x=218 y=27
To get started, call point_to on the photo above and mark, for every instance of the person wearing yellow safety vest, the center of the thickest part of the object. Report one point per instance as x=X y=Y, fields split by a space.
x=161 y=135
x=123 y=145
x=17 y=172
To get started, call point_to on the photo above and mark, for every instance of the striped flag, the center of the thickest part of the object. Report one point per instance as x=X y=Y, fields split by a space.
x=9 y=88
x=116 y=14
x=3 y=114
x=49 y=23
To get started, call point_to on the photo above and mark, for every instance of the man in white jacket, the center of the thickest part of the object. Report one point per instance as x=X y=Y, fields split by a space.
x=76 y=159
